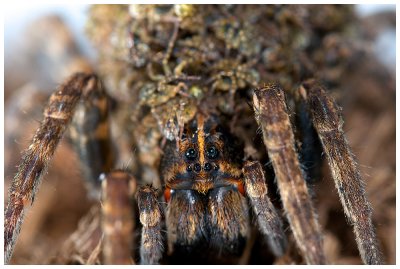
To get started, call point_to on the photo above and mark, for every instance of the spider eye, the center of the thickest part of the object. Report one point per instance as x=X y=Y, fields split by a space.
x=212 y=152
x=191 y=154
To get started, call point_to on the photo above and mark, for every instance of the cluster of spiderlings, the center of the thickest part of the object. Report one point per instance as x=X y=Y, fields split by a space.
x=165 y=60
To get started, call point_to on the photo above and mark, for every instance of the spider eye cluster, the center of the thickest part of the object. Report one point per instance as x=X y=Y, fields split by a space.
x=191 y=154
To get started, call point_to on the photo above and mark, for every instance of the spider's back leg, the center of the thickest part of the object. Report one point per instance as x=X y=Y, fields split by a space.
x=328 y=123
x=272 y=116
x=57 y=116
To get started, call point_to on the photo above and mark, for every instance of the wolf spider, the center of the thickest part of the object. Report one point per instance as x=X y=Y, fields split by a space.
x=206 y=181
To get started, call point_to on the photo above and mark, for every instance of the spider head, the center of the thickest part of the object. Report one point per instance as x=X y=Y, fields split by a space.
x=206 y=158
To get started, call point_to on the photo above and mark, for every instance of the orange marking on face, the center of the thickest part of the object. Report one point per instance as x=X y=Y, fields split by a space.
x=240 y=187
x=201 y=136
x=238 y=184
x=167 y=194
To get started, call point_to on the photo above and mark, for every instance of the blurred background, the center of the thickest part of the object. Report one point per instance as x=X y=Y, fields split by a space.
x=44 y=44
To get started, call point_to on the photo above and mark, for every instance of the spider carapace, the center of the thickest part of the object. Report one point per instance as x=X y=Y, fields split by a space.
x=207 y=211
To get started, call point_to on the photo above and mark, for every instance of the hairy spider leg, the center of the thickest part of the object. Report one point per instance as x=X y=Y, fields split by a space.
x=271 y=114
x=91 y=136
x=348 y=181
x=57 y=116
x=118 y=188
x=150 y=215
x=268 y=219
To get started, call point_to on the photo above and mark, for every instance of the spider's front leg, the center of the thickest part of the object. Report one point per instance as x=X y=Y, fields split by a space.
x=151 y=248
x=272 y=116
x=267 y=217
x=348 y=181
x=57 y=116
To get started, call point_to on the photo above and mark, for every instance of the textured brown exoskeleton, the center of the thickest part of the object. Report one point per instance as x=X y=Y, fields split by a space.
x=195 y=106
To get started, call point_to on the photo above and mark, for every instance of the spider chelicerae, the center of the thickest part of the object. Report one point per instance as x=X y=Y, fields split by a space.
x=213 y=189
